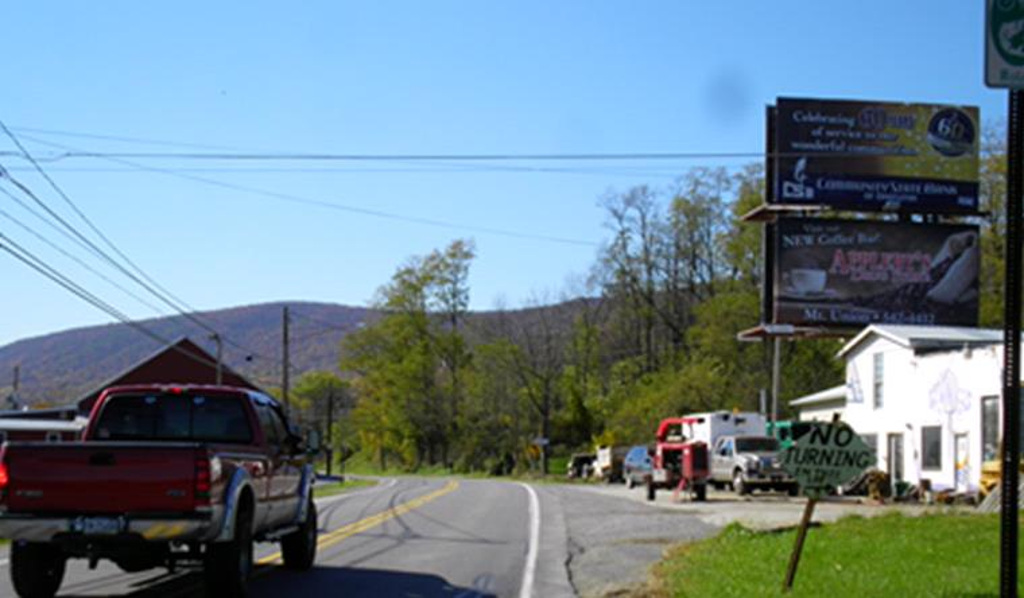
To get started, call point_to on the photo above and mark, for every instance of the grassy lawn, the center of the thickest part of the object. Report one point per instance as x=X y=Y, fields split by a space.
x=892 y=555
x=321 y=490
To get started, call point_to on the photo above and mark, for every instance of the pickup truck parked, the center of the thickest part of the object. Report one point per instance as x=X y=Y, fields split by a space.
x=749 y=462
x=164 y=476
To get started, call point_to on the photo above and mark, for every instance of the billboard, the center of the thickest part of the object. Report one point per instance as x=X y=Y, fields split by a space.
x=851 y=273
x=874 y=156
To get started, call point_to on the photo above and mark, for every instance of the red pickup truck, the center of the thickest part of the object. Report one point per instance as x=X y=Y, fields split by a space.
x=164 y=476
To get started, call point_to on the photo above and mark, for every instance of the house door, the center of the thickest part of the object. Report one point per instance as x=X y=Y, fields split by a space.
x=961 y=462
x=895 y=455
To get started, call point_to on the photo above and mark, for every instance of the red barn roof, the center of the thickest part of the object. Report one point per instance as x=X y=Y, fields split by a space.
x=184 y=362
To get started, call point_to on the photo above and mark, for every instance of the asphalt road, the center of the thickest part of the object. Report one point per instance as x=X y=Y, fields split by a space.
x=404 y=537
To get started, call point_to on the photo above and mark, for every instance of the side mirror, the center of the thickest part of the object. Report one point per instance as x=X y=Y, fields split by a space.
x=313 y=442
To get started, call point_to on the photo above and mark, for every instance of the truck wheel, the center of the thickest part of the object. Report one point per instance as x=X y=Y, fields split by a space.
x=794 y=490
x=650 y=490
x=700 y=492
x=739 y=483
x=298 y=549
x=229 y=564
x=37 y=570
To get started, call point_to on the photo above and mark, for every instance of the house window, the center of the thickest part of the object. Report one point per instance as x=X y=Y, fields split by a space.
x=989 y=428
x=931 y=447
x=879 y=377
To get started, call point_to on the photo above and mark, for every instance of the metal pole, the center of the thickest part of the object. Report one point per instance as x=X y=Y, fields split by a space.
x=330 y=430
x=1011 y=349
x=776 y=377
x=285 y=366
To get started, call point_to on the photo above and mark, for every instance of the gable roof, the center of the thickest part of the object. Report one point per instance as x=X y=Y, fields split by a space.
x=182 y=362
x=924 y=337
x=829 y=395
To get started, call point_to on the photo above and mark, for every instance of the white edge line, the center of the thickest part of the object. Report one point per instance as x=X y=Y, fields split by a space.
x=526 y=587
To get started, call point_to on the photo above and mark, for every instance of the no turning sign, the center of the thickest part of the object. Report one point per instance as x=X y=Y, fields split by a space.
x=826 y=457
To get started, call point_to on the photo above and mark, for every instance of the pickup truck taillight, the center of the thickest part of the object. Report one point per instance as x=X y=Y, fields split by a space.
x=4 y=480
x=207 y=471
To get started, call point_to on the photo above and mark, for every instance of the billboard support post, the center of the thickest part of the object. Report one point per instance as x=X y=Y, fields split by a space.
x=1011 y=348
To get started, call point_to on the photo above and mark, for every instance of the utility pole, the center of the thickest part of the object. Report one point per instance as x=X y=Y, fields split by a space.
x=285 y=365
x=330 y=430
x=220 y=357
x=17 y=379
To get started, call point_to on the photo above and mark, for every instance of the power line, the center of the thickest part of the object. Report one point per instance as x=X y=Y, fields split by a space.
x=165 y=296
x=40 y=266
x=297 y=199
x=341 y=157
x=73 y=257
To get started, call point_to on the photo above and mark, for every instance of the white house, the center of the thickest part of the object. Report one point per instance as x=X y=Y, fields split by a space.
x=926 y=398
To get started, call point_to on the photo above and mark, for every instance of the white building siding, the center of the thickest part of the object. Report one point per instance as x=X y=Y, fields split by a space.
x=942 y=389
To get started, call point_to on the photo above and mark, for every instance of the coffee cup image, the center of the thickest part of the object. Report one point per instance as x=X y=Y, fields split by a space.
x=806 y=281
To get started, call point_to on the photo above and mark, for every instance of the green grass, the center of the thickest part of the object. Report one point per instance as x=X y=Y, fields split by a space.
x=892 y=555
x=332 y=488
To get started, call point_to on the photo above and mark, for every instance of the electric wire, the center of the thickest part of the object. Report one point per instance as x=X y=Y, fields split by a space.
x=297 y=199
x=40 y=266
x=82 y=263
x=165 y=296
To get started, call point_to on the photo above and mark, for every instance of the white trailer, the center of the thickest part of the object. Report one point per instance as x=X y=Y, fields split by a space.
x=707 y=427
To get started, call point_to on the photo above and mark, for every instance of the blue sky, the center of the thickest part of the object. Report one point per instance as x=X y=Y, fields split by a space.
x=415 y=78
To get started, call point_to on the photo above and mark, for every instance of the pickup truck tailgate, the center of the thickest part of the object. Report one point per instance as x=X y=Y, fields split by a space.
x=99 y=477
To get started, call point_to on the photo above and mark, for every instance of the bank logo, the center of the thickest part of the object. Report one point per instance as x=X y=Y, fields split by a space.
x=951 y=132
x=796 y=189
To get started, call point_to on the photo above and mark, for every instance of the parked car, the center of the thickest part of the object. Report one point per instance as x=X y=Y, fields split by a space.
x=164 y=475
x=636 y=467
x=749 y=462
x=580 y=466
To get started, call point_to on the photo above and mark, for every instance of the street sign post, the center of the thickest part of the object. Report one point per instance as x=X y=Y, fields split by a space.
x=824 y=458
x=1004 y=68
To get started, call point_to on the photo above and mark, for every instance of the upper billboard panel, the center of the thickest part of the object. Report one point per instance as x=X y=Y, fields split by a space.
x=875 y=156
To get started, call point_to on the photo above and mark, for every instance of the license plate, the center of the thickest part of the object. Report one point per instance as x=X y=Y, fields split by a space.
x=99 y=526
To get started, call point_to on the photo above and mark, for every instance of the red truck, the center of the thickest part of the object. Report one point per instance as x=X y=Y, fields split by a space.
x=164 y=476
x=678 y=462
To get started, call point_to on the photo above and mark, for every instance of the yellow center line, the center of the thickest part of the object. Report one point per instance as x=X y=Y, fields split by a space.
x=370 y=522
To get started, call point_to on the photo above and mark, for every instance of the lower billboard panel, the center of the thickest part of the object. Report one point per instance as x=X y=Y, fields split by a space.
x=850 y=273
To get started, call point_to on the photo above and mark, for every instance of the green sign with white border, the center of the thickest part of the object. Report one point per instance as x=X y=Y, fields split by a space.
x=1004 y=44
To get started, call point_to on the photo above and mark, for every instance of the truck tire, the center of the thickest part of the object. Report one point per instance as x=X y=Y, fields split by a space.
x=650 y=490
x=700 y=492
x=739 y=483
x=630 y=482
x=37 y=570
x=229 y=564
x=298 y=549
x=794 y=490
